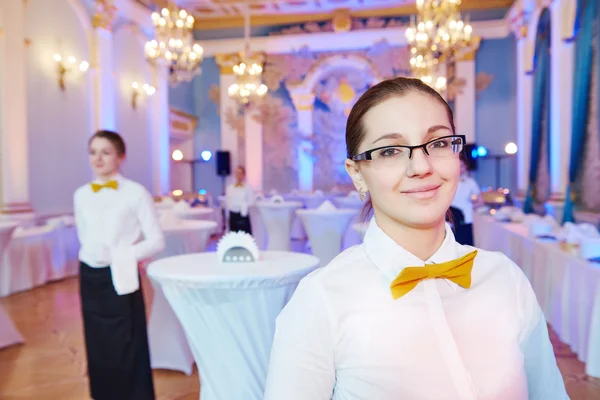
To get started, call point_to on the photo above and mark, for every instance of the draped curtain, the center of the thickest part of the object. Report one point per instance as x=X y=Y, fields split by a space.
x=588 y=176
x=587 y=12
x=541 y=101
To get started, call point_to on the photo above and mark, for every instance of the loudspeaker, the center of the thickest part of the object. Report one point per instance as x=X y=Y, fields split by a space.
x=470 y=156
x=223 y=163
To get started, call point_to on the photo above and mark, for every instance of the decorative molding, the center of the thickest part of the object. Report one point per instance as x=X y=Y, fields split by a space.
x=15 y=208
x=518 y=20
x=302 y=101
x=215 y=14
x=341 y=20
x=226 y=62
x=182 y=124
x=326 y=41
x=471 y=53
x=105 y=14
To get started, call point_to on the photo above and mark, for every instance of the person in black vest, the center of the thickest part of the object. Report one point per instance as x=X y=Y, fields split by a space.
x=117 y=227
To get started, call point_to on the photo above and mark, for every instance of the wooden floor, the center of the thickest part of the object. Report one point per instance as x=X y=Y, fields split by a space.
x=51 y=365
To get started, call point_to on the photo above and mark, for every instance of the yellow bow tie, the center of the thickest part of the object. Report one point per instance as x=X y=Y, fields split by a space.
x=458 y=271
x=96 y=187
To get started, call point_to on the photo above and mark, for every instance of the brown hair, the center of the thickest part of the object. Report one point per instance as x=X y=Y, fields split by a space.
x=397 y=87
x=114 y=138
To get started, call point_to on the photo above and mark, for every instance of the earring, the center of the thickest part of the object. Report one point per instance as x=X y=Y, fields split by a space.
x=362 y=194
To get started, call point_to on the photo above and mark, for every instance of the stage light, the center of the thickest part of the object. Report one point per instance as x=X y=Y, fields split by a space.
x=202 y=192
x=510 y=148
x=177 y=192
x=206 y=155
x=474 y=153
x=177 y=155
x=482 y=151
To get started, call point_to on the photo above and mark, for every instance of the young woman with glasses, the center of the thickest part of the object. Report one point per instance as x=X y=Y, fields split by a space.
x=410 y=313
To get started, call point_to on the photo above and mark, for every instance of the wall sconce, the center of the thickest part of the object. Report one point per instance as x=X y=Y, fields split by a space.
x=149 y=90
x=66 y=66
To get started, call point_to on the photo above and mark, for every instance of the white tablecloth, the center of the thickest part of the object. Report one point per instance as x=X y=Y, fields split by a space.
x=567 y=286
x=228 y=312
x=169 y=348
x=37 y=255
x=278 y=218
x=9 y=334
x=204 y=213
x=325 y=231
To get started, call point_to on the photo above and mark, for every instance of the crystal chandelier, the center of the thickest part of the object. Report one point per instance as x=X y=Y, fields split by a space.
x=436 y=35
x=439 y=29
x=174 y=44
x=248 y=72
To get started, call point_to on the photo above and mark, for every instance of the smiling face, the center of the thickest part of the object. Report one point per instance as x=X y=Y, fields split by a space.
x=413 y=192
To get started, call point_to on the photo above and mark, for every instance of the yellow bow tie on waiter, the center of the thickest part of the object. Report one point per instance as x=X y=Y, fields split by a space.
x=96 y=187
x=458 y=271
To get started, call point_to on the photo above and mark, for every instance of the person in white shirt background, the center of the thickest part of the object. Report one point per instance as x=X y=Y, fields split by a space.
x=410 y=313
x=239 y=197
x=117 y=228
x=467 y=199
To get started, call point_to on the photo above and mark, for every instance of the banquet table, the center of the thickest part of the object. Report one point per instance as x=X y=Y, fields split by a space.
x=566 y=285
x=278 y=218
x=37 y=255
x=169 y=347
x=228 y=312
x=9 y=335
x=325 y=230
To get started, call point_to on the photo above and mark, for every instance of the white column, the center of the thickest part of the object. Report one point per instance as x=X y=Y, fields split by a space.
x=304 y=103
x=254 y=150
x=524 y=110
x=14 y=166
x=464 y=105
x=561 y=95
x=229 y=135
x=105 y=111
x=161 y=157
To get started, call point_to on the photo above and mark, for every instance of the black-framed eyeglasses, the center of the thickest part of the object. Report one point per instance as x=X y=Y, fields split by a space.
x=444 y=146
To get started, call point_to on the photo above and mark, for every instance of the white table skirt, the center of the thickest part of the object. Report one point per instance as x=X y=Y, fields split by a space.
x=38 y=255
x=9 y=335
x=278 y=218
x=169 y=347
x=567 y=286
x=325 y=231
x=228 y=312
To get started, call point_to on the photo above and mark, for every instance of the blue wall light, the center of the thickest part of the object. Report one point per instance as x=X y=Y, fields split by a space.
x=482 y=151
x=206 y=155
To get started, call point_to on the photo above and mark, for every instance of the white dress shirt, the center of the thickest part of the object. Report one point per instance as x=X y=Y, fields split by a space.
x=467 y=188
x=342 y=336
x=117 y=228
x=239 y=198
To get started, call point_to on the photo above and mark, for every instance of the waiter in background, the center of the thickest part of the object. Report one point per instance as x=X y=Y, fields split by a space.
x=467 y=198
x=239 y=198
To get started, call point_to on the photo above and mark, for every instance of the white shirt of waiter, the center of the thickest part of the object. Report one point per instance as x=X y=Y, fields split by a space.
x=239 y=198
x=467 y=188
x=342 y=336
x=117 y=228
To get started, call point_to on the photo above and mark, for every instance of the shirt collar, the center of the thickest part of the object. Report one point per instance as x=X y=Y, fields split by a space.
x=117 y=177
x=391 y=258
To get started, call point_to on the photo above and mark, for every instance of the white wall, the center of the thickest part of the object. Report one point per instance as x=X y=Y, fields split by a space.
x=135 y=125
x=60 y=123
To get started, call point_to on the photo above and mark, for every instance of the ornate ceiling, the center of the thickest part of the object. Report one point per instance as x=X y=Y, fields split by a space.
x=214 y=14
